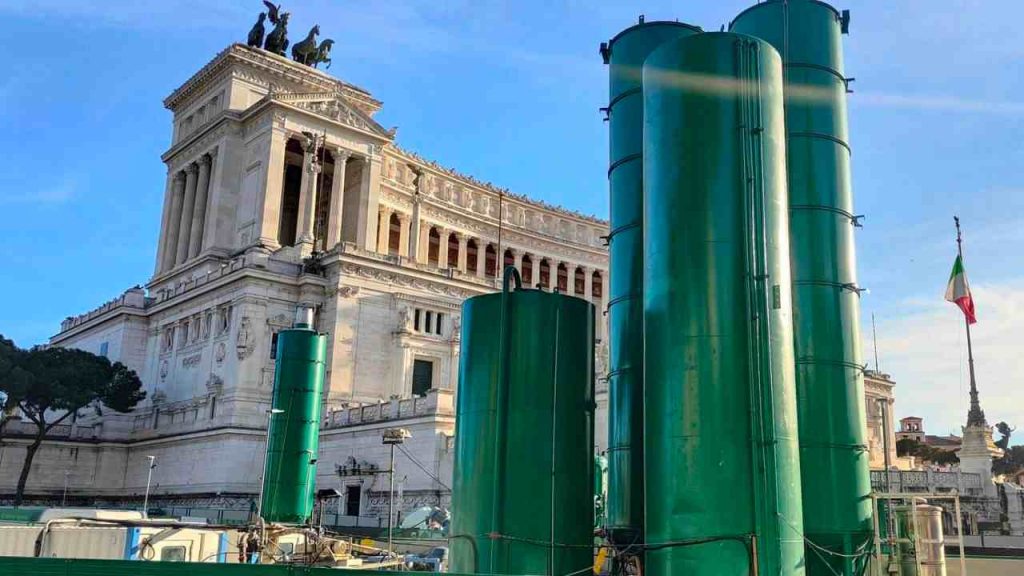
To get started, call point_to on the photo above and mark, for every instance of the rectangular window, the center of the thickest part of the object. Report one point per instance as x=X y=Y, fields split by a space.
x=273 y=345
x=438 y=324
x=103 y=349
x=422 y=377
x=173 y=554
x=416 y=320
x=352 y=496
x=429 y=323
x=184 y=334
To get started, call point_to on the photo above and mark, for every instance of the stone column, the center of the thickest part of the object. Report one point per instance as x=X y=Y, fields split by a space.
x=517 y=260
x=481 y=257
x=307 y=191
x=195 y=240
x=214 y=202
x=463 y=249
x=442 y=248
x=424 y=243
x=170 y=248
x=384 y=230
x=588 y=283
x=552 y=274
x=334 y=214
x=369 y=199
x=413 y=239
x=403 y=234
x=268 y=215
x=189 y=203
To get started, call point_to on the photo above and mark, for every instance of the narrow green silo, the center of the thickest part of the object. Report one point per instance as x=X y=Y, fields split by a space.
x=723 y=476
x=521 y=500
x=293 y=443
x=830 y=381
x=625 y=55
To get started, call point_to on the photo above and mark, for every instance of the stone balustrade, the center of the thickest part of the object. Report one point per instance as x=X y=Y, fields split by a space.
x=134 y=297
x=436 y=402
x=967 y=483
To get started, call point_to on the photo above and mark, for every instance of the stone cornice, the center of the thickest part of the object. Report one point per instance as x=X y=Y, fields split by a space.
x=357 y=263
x=490 y=189
x=273 y=65
x=458 y=219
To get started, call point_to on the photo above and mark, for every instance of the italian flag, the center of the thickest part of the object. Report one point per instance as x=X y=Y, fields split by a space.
x=959 y=293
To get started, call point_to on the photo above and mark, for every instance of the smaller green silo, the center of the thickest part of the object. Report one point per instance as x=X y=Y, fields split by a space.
x=524 y=460
x=293 y=438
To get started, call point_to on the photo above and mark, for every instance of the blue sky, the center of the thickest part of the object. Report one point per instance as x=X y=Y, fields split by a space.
x=509 y=92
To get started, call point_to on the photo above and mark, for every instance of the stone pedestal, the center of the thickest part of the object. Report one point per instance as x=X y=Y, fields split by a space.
x=976 y=455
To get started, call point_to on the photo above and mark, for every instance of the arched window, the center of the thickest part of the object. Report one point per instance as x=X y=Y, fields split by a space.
x=597 y=287
x=545 y=273
x=453 y=251
x=509 y=260
x=527 y=270
x=472 y=250
x=433 y=246
x=491 y=261
x=579 y=282
x=563 y=278
x=394 y=234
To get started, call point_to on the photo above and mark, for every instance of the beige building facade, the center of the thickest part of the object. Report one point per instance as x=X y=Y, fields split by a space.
x=282 y=190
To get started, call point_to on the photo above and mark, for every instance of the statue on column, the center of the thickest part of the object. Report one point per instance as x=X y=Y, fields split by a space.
x=277 y=40
x=256 y=33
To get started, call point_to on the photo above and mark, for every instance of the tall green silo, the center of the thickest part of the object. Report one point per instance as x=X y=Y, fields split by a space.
x=723 y=476
x=521 y=500
x=293 y=441
x=625 y=55
x=830 y=382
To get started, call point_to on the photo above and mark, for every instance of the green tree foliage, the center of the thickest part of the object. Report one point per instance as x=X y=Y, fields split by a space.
x=924 y=452
x=50 y=385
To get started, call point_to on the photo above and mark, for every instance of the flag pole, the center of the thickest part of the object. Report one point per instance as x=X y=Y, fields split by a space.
x=975 y=415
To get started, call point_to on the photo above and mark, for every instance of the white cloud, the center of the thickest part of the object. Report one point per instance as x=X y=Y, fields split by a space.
x=57 y=194
x=925 y=350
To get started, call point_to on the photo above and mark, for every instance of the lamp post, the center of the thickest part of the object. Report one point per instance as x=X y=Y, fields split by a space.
x=149 y=480
x=393 y=437
x=266 y=458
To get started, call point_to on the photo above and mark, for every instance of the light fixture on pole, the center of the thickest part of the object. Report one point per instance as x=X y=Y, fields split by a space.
x=392 y=437
x=266 y=457
x=149 y=480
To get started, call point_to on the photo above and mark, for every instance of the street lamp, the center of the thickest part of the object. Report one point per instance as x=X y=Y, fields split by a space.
x=149 y=480
x=266 y=457
x=393 y=437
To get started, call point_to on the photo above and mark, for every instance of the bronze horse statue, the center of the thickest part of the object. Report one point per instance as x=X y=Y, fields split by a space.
x=305 y=51
x=257 y=32
x=323 y=54
x=277 y=40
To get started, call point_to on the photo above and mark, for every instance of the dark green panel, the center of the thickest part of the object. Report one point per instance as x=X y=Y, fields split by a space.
x=524 y=435
x=625 y=56
x=837 y=510
x=294 y=436
x=720 y=401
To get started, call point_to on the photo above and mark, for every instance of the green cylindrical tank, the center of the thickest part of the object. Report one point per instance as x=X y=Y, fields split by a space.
x=830 y=382
x=293 y=442
x=625 y=55
x=524 y=435
x=723 y=475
